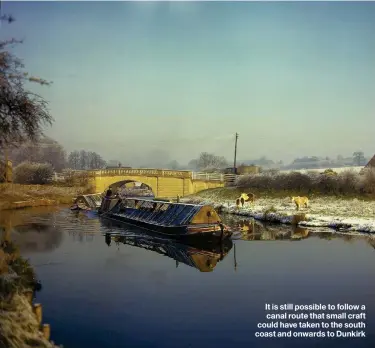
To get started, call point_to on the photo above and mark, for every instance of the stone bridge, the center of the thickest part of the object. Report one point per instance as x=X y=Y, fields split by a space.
x=164 y=183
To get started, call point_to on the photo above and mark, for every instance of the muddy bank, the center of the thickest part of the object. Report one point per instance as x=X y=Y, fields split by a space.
x=20 y=320
x=336 y=213
x=15 y=196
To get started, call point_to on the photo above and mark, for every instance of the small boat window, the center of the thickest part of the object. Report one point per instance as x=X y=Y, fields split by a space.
x=129 y=204
x=147 y=205
x=163 y=207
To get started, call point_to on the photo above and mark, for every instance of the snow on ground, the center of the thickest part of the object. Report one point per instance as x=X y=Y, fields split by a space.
x=340 y=214
x=321 y=170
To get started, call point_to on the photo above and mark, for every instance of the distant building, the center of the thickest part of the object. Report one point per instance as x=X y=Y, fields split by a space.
x=243 y=169
x=252 y=169
x=229 y=170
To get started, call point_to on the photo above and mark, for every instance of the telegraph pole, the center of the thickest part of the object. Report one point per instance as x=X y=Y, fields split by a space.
x=235 y=155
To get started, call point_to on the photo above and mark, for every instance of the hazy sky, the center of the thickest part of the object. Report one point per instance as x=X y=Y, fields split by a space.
x=129 y=78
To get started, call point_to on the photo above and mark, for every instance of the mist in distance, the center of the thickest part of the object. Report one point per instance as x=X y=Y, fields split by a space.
x=149 y=83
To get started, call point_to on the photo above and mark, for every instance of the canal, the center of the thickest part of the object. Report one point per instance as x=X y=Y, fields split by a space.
x=99 y=290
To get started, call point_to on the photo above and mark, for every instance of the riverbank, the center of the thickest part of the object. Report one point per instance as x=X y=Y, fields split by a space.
x=20 y=325
x=13 y=196
x=349 y=214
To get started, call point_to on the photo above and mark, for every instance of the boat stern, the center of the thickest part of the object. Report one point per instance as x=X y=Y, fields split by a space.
x=218 y=230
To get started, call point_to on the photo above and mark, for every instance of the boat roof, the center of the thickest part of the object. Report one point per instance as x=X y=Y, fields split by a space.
x=175 y=214
x=157 y=201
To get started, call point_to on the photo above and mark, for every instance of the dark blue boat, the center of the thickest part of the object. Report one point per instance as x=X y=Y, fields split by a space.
x=174 y=219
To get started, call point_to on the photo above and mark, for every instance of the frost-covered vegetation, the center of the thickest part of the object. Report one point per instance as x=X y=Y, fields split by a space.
x=345 y=183
x=340 y=201
x=18 y=325
x=33 y=173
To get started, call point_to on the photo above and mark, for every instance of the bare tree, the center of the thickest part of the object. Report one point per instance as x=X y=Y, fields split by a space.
x=95 y=161
x=43 y=150
x=358 y=158
x=210 y=161
x=73 y=160
x=193 y=164
x=173 y=165
x=22 y=113
x=85 y=160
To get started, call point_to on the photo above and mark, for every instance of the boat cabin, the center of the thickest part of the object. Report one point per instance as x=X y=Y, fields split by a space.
x=167 y=213
x=91 y=201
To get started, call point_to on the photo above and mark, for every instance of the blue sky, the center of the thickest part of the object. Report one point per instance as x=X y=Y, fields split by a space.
x=137 y=80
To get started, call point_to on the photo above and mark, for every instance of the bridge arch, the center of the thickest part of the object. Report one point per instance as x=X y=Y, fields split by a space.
x=117 y=185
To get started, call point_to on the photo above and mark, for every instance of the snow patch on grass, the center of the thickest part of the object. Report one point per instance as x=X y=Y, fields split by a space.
x=336 y=213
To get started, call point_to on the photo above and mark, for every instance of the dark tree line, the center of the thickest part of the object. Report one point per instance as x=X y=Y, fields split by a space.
x=47 y=150
x=84 y=160
x=208 y=162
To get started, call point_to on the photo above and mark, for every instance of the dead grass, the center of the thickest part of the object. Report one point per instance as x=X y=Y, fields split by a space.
x=225 y=193
x=10 y=193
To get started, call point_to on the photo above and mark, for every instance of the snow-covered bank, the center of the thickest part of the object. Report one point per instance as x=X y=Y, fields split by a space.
x=339 y=214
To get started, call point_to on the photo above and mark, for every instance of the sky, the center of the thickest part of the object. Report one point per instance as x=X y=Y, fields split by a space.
x=139 y=81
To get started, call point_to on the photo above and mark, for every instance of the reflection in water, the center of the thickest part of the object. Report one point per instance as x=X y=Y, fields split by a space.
x=37 y=237
x=252 y=229
x=113 y=293
x=29 y=236
x=200 y=255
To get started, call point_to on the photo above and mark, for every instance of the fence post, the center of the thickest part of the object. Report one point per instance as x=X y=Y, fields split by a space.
x=46 y=329
x=37 y=309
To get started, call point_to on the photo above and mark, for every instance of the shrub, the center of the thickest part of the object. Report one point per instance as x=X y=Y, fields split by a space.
x=298 y=182
x=329 y=171
x=368 y=180
x=348 y=182
x=329 y=182
x=33 y=173
x=75 y=178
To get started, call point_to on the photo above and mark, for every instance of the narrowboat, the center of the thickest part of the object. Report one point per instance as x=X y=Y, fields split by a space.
x=178 y=220
x=89 y=202
x=197 y=255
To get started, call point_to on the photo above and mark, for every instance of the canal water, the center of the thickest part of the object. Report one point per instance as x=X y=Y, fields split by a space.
x=104 y=286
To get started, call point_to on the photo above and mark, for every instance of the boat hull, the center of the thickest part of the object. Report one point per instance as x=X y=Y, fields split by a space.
x=198 y=254
x=179 y=232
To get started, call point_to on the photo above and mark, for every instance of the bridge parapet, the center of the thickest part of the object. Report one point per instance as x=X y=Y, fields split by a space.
x=143 y=172
x=208 y=176
x=166 y=173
